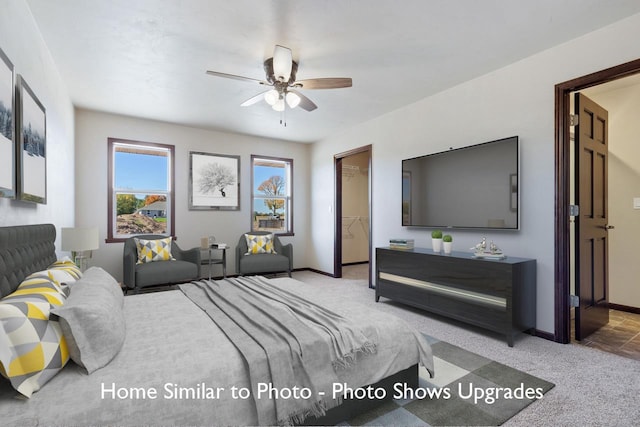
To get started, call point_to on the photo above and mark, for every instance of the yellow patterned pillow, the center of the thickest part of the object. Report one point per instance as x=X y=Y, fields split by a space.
x=67 y=266
x=62 y=273
x=153 y=250
x=43 y=286
x=259 y=244
x=32 y=346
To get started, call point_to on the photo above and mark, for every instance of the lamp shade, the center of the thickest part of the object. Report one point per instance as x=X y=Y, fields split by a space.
x=279 y=106
x=80 y=239
x=293 y=99
x=271 y=96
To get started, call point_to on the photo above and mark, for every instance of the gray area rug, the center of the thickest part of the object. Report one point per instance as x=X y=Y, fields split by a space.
x=469 y=390
x=592 y=388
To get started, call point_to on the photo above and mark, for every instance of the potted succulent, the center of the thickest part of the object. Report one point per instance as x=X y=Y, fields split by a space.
x=447 y=243
x=436 y=240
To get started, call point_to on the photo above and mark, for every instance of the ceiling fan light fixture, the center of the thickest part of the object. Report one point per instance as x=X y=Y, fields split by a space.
x=271 y=97
x=280 y=72
x=293 y=99
x=279 y=105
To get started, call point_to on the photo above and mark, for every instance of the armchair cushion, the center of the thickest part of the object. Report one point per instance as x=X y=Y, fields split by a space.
x=154 y=273
x=259 y=244
x=153 y=250
x=264 y=263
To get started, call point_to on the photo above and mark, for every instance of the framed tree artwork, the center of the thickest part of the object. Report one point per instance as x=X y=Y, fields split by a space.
x=214 y=181
x=7 y=129
x=31 y=145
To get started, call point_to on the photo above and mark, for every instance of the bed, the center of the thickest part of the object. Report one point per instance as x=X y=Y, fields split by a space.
x=177 y=367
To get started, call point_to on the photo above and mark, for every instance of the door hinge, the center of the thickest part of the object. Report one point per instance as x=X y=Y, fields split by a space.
x=574 y=301
x=574 y=210
x=574 y=119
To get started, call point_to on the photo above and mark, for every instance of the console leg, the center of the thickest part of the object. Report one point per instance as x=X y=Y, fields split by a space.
x=510 y=340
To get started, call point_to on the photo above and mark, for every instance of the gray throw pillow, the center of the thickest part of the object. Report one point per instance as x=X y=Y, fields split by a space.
x=92 y=322
x=96 y=276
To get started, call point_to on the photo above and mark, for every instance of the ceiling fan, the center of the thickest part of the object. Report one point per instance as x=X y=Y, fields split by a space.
x=281 y=72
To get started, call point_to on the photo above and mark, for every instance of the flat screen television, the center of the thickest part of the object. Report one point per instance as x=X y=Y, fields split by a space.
x=474 y=187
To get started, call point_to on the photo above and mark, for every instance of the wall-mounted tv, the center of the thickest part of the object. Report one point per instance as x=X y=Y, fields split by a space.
x=475 y=187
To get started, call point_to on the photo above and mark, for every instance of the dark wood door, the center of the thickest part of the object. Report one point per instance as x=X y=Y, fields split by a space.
x=591 y=144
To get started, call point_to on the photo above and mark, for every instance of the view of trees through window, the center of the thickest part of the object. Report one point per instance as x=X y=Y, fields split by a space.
x=271 y=190
x=141 y=189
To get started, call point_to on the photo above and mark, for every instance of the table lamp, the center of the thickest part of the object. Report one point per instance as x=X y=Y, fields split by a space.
x=79 y=241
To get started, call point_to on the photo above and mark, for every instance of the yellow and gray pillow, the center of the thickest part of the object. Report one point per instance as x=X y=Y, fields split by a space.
x=153 y=250
x=32 y=346
x=259 y=244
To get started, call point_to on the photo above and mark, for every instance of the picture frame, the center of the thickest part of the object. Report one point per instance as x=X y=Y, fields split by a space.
x=214 y=181
x=7 y=128
x=31 y=147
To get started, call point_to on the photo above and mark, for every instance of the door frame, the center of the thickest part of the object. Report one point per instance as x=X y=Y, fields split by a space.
x=562 y=327
x=337 y=244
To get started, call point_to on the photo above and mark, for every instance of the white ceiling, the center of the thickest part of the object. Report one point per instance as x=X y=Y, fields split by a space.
x=147 y=58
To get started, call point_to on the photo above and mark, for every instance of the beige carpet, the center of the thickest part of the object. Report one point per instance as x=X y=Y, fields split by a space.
x=591 y=387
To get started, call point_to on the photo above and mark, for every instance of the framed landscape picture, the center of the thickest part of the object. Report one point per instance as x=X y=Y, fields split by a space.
x=214 y=181
x=7 y=122
x=32 y=145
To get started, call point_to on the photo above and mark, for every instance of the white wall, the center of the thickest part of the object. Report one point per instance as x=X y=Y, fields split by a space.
x=21 y=41
x=93 y=129
x=515 y=100
x=624 y=184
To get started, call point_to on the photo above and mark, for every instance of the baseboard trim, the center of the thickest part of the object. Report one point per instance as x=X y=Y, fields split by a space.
x=313 y=270
x=625 y=308
x=543 y=334
x=346 y=264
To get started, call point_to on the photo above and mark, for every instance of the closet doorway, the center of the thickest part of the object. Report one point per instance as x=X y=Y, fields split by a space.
x=352 y=245
x=566 y=263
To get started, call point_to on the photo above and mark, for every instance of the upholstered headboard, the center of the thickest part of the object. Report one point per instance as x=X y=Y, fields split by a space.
x=23 y=250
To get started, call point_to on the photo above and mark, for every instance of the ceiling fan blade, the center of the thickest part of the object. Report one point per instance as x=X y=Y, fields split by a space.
x=282 y=60
x=233 y=76
x=305 y=103
x=254 y=99
x=324 y=83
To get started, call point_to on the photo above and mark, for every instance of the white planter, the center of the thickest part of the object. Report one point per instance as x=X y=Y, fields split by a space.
x=436 y=244
x=447 y=246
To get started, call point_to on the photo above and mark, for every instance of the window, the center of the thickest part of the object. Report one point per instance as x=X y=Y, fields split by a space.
x=271 y=194
x=141 y=182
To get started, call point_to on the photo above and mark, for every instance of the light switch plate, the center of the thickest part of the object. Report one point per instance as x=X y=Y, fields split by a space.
x=636 y=203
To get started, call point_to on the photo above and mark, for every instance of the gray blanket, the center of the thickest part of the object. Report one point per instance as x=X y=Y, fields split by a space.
x=287 y=341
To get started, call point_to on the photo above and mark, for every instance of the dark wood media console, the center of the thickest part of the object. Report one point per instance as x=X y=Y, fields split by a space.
x=499 y=295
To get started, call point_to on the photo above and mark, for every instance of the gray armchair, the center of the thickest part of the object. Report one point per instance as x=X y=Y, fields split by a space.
x=281 y=261
x=184 y=268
